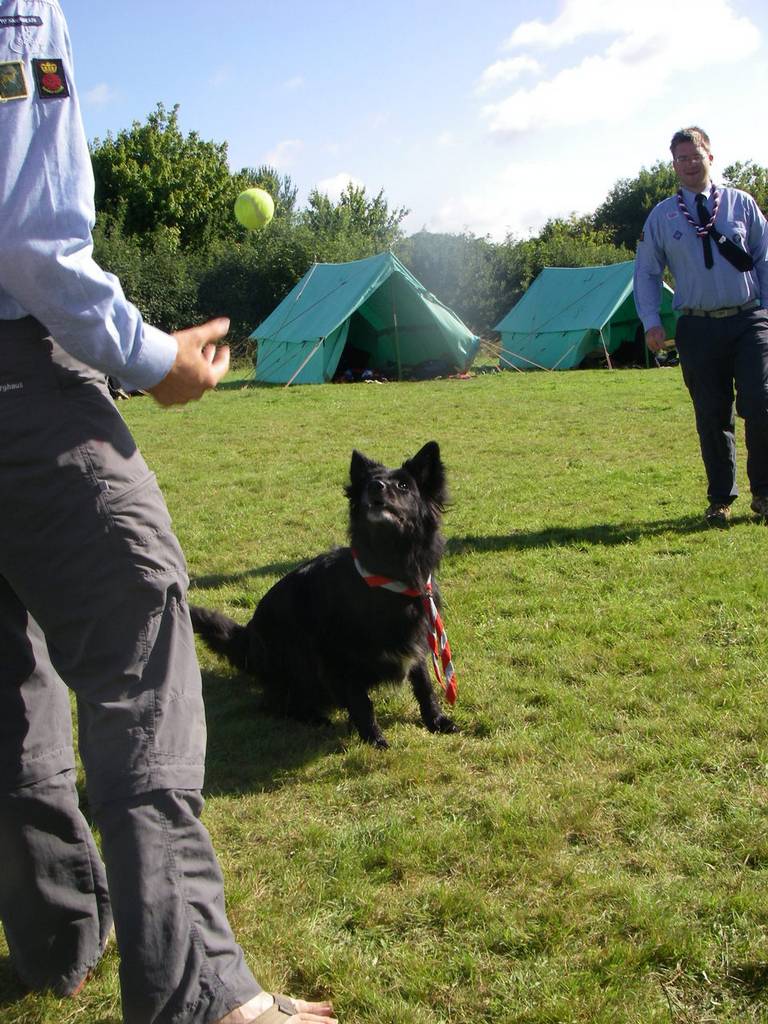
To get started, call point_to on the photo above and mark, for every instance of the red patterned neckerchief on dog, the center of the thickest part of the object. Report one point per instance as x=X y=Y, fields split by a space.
x=438 y=641
x=701 y=229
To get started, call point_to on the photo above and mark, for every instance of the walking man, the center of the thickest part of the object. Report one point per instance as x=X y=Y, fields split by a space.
x=715 y=242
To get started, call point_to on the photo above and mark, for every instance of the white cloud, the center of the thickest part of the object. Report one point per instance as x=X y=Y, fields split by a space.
x=643 y=61
x=504 y=71
x=333 y=187
x=99 y=96
x=575 y=96
x=294 y=83
x=519 y=199
x=580 y=18
x=447 y=139
x=284 y=153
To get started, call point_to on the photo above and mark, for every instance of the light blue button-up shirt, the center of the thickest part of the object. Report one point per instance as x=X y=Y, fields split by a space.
x=47 y=212
x=668 y=239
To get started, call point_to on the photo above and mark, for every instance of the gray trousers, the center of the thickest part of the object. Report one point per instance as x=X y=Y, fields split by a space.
x=93 y=595
x=716 y=356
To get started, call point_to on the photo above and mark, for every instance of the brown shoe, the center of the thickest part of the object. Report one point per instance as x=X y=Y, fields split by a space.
x=84 y=981
x=760 y=506
x=719 y=515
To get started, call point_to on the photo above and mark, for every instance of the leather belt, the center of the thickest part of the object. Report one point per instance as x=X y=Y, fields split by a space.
x=725 y=311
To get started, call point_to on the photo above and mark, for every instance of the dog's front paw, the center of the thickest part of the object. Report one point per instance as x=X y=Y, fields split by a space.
x=443 y=724
x=380 y=743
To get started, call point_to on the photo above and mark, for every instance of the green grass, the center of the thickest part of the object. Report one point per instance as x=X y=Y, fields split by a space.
x=592 y=846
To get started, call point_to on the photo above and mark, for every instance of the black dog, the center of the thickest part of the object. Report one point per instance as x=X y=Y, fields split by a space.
x=336 y=627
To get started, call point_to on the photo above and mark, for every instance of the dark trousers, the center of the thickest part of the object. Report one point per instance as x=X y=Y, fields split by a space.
x=722 y=358
x=93 y=595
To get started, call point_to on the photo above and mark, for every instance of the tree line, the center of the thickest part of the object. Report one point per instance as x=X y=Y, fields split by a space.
x=165 y=227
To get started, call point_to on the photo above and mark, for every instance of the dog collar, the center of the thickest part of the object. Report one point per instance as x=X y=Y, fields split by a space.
x=385 y=582
x=436 y=635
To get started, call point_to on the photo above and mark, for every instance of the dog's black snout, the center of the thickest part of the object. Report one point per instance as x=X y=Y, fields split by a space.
x=376 y=489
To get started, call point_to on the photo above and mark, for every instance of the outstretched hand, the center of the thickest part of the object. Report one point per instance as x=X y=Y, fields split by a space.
x=199 y=364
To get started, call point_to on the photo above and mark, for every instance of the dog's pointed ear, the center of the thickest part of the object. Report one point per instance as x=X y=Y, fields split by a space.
x=360 y=467
x=427 y=469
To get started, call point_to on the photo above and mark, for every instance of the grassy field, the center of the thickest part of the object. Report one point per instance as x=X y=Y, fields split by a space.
x=591 y=848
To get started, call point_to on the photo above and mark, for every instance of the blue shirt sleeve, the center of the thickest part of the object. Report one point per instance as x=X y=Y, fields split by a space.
x=757 y=246
x=47 y=268
x=649 y=274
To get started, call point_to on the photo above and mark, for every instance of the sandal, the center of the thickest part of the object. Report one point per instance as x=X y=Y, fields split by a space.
x=277 y=1013
x=282 y=1008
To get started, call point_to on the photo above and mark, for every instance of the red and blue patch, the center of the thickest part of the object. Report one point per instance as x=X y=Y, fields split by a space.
x=50 y=78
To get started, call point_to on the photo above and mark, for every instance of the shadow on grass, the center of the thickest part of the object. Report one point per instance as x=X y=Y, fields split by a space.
x=251 y=750
x=273 y=569
x=238 y=385
x=13 y=992
x=752 y=977
x=597 y=534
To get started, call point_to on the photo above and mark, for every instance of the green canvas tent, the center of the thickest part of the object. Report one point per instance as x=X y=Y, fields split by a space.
x=570 y=312
x=370 y=314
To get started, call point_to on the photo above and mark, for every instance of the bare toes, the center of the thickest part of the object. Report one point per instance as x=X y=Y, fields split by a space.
x=314 y=1013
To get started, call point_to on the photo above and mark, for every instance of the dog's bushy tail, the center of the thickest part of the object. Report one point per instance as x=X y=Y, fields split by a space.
x=222 y=634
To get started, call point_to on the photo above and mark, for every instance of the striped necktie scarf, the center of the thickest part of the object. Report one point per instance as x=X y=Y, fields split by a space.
x=706 y=231
x=436 y=635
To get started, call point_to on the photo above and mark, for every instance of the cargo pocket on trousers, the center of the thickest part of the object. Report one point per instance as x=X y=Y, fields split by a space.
x=140 y=524
x=179 y=714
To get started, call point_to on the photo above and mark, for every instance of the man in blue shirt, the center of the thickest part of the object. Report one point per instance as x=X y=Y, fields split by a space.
x=715 y=242
x=93 y=594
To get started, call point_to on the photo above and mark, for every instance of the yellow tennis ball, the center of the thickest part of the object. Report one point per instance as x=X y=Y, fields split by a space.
x=254 y=208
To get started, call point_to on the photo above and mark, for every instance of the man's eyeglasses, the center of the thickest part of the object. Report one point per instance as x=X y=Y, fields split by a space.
x=698 y=159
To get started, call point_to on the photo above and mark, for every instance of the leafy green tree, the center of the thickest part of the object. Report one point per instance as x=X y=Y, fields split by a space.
x=752 y=178
x=153 y=175
x=367 y=223
x=631 y=200
x=248 y=279
x=155 y=273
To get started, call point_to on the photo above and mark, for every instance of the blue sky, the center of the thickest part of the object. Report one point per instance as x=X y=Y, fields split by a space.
x=488 y=116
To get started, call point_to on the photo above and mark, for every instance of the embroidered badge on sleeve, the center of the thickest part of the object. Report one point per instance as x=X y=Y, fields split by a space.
x=13 y=84
x=51 y=78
